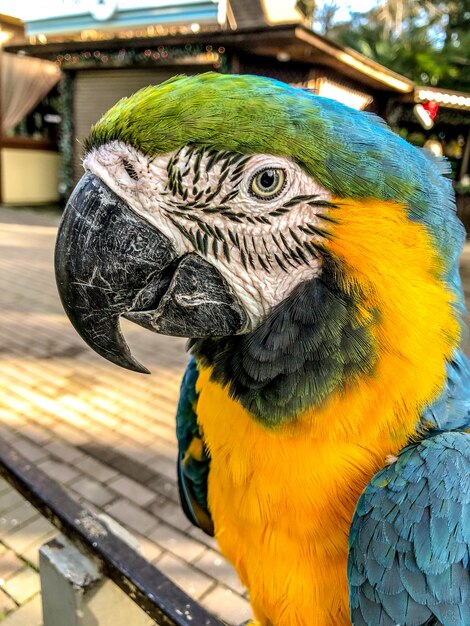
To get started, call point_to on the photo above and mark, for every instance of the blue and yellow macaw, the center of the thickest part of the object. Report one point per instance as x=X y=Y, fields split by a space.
x=310 y=256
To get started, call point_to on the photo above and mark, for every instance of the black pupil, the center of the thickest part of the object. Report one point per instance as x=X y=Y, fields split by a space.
x=267 y=180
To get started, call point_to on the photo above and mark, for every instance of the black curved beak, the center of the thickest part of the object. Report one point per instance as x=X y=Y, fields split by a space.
x=111 y=262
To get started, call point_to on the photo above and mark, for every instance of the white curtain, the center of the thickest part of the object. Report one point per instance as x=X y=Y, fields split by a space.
x=25 y=81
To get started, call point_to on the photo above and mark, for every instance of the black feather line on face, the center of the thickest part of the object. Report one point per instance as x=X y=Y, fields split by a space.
x=200 y=241
x=295 y=237
x=268 y=252
x=263 y=264
x=280 y=263
x=197 y=166
x=234 y=238
x=226 y=251
x=233 y=217
x=278 y=212
x=220 y=233
x=298 y=200
x=293 y=251
x=301 y=254
x=131 y=172
x=312 y=249
x=311 y=229
x=230 y=196
x=212 y=159
x=308 y=347
x=323 y=204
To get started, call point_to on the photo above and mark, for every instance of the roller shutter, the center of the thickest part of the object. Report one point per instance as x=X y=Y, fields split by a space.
x=95 y=91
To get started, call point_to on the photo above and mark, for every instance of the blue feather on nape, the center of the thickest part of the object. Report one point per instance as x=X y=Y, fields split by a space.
x=451 y=410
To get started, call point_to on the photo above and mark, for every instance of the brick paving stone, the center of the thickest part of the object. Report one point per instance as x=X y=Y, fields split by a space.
x=227 y=605
x=31 y=555
x=194 y=583
x=170 y=513
x=135 y=433
x=164 y=486
x=95 y=469
x=72 y=435
x=37 y=434
x=136 y=452
x=23 y=585
x=6 y=433
x=164 y=449
x=30 y=614
x=131 y=516
x=58 y=471
x=178 y=543
x=149 y=549
x=65 y=453
x=93 y=491
x=201 y=536
x=214 y=564
x=10 y=564
x=17 y=517
x=132 y=490
x=164 y=467
x=29 y=450
x=9 y=500
x=6 y=604
x=28 y=535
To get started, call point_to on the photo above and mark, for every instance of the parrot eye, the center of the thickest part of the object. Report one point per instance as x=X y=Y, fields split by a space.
x=130 y=169
x=268 y=183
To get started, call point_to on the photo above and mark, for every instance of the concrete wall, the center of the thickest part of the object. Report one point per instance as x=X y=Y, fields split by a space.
x=29 y=176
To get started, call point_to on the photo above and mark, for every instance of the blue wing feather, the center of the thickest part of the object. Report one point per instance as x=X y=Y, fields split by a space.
x=410 y=541
x=193 y=457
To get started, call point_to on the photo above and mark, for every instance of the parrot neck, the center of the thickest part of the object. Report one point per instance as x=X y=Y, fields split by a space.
x=364 y=345
x=309 y=345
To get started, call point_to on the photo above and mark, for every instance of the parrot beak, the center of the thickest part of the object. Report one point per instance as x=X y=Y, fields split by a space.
x=111 y=262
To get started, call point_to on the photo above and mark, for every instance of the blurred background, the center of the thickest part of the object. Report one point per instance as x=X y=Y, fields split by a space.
x=107 y=434
x=66 y=62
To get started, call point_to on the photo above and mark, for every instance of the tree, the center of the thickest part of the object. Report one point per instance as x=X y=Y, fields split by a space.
x=426 y=40
x=325 y=16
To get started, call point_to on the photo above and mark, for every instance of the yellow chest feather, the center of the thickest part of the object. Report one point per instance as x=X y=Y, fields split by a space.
x=282 y=504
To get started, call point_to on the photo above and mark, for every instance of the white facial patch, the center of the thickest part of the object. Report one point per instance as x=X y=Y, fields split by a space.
x=258 y=219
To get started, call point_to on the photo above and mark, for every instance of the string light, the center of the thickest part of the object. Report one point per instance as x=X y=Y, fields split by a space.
x=135 y=56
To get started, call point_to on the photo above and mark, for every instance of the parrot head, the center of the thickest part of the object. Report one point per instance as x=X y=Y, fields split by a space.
x=300 y=245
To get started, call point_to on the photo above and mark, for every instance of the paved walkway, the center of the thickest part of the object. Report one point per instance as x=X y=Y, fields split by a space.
x=105 y=433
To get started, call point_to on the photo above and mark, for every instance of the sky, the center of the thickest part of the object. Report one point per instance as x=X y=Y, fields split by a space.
x=25 y=8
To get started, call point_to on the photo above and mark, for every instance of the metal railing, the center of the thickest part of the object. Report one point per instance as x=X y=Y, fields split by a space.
x=153 y=592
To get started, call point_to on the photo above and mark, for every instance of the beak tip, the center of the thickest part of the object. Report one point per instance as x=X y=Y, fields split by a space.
x=141 y=369
x=124 y=360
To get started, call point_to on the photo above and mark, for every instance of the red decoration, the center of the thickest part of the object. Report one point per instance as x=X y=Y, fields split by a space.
x=431 y=108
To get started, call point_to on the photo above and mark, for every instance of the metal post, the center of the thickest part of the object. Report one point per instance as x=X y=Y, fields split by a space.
x=75 y=593
x=160 y=599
